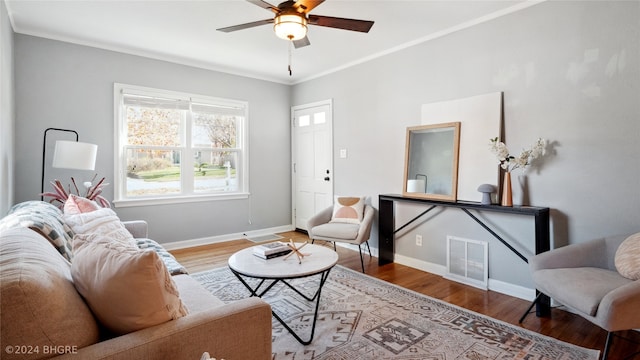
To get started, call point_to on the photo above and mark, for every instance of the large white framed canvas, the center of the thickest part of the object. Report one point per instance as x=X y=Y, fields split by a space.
x=481 y=118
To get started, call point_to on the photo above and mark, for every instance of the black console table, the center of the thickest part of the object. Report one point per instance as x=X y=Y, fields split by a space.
x=387 y=229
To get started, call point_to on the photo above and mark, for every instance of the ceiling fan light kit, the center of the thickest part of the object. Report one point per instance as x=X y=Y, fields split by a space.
x=292 y=17
x=291 y=20
x=290 y=26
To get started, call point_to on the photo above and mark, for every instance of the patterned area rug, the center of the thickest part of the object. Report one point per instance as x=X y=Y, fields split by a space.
x=365 y=318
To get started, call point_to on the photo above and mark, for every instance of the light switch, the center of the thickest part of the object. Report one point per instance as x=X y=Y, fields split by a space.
x=343 y=153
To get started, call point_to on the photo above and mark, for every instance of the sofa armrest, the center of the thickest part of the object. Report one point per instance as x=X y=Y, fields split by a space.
x=238 y=330
x=588 y=254
x=137 y=228
x=320 y=218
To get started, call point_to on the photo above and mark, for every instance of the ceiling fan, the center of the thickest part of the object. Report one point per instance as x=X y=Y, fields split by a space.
x=292 y=17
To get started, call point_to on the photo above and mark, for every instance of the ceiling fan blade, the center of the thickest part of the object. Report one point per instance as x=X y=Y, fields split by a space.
x=301 y=43
x=341 y=23
x=265 y=5
x=306 y=5
x=245 y=26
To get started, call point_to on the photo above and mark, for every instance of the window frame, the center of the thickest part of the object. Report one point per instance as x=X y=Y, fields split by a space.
x=187 y=193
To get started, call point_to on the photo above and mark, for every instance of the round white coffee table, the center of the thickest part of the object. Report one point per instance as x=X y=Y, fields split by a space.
x=318 y=261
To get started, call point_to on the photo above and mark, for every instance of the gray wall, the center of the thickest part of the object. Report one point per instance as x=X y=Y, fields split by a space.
x=569 y=72
x=7 y=114
x=69 y=86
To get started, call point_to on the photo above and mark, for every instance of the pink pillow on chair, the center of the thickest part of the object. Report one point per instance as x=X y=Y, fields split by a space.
x=348 y=209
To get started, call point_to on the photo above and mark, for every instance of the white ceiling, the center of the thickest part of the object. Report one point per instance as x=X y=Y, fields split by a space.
x=184 y=31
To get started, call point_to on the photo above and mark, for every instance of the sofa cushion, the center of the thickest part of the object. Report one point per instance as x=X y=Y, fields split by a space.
x=348 y=209
x=580 y=288
x=78 y=205
x=337 y=231
x=195 y=297
x=627 y=257
x=104 y=222
x=44 y=218
x=128 y=289
x=40 y=306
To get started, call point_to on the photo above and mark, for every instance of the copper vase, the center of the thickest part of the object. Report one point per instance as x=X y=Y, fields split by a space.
x=507 y=197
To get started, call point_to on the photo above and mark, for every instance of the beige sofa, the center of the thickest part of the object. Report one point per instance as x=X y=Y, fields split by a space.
x=43 y=316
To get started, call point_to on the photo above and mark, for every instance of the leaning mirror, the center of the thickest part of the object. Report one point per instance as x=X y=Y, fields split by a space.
x=431 y=161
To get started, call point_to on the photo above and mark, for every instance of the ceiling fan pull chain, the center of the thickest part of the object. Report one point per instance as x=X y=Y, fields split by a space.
x=290 y=51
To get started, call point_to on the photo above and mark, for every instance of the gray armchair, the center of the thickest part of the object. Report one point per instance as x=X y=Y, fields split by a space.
x=584 y=278
x=320 y=228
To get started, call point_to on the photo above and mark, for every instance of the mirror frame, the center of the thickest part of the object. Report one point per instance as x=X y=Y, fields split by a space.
x=454 y=172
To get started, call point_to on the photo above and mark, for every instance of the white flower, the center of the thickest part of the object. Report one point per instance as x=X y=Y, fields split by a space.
x=509 y=162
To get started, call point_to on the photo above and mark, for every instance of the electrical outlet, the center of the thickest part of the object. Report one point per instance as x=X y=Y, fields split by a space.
x=419 y=240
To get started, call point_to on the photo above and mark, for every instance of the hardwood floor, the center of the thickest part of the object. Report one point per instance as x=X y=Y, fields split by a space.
x=561 y=325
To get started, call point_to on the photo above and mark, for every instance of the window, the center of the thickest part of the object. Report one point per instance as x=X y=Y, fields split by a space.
x=175 y=147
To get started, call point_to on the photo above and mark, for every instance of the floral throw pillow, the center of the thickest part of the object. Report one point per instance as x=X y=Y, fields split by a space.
x=348 y=209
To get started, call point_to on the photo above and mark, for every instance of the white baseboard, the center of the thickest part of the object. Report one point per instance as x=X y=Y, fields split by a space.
x=420 y=264
x=502 y=287
x=227 y=237
x=518 y=291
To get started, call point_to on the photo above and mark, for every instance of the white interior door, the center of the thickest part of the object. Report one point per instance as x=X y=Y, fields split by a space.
x=312 y=160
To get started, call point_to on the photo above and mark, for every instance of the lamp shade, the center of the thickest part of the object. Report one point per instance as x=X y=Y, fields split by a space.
x=74 y=155
x=416 y=185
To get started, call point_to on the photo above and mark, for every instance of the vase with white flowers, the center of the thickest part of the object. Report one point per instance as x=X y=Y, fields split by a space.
x=509 y=162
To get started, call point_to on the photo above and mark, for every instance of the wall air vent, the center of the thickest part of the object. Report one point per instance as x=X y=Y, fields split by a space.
x=467 y=261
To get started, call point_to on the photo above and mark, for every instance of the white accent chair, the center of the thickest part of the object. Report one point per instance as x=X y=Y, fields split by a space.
x=584 y=278
x=320 y=227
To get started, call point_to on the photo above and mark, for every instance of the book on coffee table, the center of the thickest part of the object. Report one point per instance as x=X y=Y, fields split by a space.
x=271 y=250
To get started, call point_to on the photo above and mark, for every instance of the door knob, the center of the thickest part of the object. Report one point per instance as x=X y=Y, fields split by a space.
x=326 y=178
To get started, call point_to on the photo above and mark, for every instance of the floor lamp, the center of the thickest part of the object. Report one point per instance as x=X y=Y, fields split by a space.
x=69 y=155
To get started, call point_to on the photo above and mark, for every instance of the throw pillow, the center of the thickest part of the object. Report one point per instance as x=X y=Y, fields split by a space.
x=103 y=221
x=44 y=218
x=173 y=266
x=627 y=257
x=127 y=289
x=78 y=205
x=348 y=209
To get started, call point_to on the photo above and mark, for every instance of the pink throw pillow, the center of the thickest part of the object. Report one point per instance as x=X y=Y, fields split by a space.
x=348 y=209
x=127 y=289
x=79 y=205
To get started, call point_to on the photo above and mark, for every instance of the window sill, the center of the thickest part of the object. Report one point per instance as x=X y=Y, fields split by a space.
x=177 y=200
